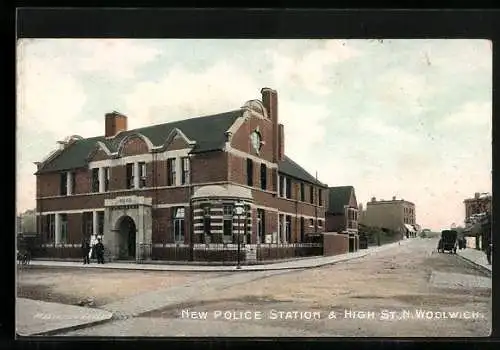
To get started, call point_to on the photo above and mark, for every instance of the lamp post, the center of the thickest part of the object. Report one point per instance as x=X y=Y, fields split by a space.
x=239 y=208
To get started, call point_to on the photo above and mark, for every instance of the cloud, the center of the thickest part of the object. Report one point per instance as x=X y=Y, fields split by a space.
x=48 y=98
x=402 y=92
x=117 y=58
x=469 y=114
x=181 y=93
x=309 y=70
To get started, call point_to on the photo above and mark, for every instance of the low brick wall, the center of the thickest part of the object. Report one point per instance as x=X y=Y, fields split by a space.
x=272 y=252
x=67 y=252
x=335 y=243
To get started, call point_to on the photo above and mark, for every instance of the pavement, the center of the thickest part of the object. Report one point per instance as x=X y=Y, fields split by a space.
x=476 y=257
x=42 y=318
x=34 y=317
x=302 y=263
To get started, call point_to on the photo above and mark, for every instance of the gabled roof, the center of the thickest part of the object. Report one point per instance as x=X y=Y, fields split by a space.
x=207 y=131
x=338 y=197
x=290 y=168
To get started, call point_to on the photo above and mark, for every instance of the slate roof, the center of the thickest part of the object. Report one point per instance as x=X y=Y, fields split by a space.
x=338 y=197
x=207 y=131
x=290 y=168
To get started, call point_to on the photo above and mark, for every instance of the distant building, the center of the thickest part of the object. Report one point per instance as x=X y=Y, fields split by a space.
x=342 y=210
x=396 y=214
x=480 y=204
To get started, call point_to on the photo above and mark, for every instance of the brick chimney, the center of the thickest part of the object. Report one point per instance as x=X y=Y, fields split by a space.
x=281 y=142
x=115 y=122
x=270 y=102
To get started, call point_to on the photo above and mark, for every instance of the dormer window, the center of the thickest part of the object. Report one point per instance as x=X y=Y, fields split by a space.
x=142 y=174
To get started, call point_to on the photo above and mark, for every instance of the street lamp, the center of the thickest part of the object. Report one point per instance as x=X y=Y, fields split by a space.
x=239 y=209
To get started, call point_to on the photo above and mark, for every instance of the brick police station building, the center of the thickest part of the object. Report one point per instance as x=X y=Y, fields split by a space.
x=176 y=184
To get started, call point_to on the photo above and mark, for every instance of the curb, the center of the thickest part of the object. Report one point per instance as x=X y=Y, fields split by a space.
x=484 y=269
x=69 y=328
x=257 y=268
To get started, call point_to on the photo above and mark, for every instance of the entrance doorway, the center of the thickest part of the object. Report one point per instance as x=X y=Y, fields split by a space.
x=127 y=231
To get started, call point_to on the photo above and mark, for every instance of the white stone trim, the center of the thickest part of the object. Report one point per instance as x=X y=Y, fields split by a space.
x=69 y=183
x=170 y=205
x=200 y=224
x=128 y=200
x=211 y=217
x=211 y=231
x=130 y=136
x=287 y=213
x=236 y=152
x=94 y=222
x=57 y=228
x=102 y=180
x=146 y=158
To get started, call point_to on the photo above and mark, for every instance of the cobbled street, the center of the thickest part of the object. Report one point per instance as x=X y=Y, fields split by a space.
x=407 y=291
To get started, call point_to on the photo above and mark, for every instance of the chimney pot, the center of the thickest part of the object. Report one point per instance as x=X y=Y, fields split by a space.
x=374 y=199
x=393 y=198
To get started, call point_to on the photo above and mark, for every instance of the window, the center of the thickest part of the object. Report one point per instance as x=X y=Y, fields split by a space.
x=94 y=180
x=64 y=228
x=100 y=223
x=185 y=170
x=130 y=176
x=320 y=197
x=228 y=210
x=87 y=224
x=142 y=174
x=261 y=225
x=320 y=223
x=282 y=185
x=171 y=178
x=302 y=192
x=249 y=172
x=73 y=182
x=263 y=176
x=50 y=227
x=288 y=188
x=178 y=218
x=281 y=228
x=288 y=228
x=106 y=179
x=227 y=230
x=311 y=222
x=311 y=195
x=63 y=189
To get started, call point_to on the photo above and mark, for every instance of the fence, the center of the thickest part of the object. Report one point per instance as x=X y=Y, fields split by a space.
x=224 y=253
x=229 y=252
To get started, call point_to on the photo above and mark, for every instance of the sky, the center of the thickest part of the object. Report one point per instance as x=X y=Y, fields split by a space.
x=404 y=118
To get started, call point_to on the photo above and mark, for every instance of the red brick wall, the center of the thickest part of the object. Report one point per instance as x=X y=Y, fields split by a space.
x=117 y=178
x=334 y=244
x=335 y=223
x=99 y=155
x=209 y=167
x=96 y=200
x=133 y=146
x=177 y=143
x=47 y=184
x=241 y=138
x=82 y=181
x=75 y=228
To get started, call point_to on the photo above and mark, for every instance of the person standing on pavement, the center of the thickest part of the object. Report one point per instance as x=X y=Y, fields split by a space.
x=86 y=251
x=99 y=250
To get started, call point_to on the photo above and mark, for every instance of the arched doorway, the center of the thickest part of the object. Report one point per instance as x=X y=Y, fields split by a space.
x=127 y=232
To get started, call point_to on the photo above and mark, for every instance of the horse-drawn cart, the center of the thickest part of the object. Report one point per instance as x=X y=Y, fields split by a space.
x=448 y=241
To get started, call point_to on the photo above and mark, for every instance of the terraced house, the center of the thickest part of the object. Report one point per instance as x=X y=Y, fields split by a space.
x=177 y=184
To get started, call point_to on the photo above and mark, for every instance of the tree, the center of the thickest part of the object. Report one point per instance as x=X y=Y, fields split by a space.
x=27 y=221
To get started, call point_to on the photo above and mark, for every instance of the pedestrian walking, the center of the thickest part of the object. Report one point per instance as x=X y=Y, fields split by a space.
x=86 y=251
x=99 y=247
x=488 y=253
